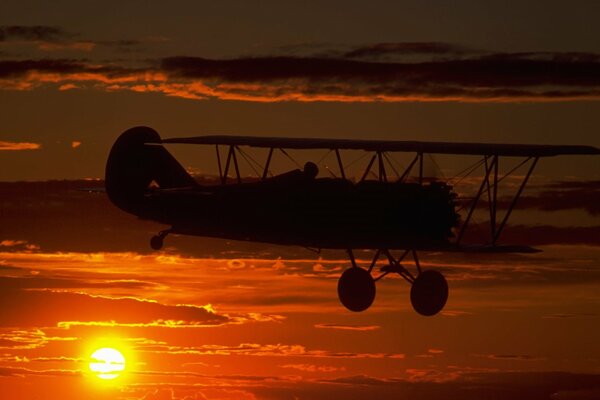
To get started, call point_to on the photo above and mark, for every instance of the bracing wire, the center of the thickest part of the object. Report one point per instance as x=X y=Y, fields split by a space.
x=245 y=157
x=389 y=160
x=437 y=166
x=290 y=157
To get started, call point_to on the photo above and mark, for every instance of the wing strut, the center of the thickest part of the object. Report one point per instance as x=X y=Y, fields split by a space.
x=219 y=161
x=266 y=170
x=409 y=168
x=230 y=156
x=492 y=193
x=514 y=202
x=420 y=168
x=341 y=165
x=368 y=169
x=489 y=184
x=488 y=170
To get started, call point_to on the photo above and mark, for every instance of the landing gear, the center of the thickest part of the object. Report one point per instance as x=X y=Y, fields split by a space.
x=157 y=241
x=356 y=289
x=356 y=286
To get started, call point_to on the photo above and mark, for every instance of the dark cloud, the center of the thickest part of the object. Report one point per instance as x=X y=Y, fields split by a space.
x=560 y=196
x=56 y=38
x=13 y=69
x=379 y=50
x=268 y=69
x=518 y=76
x=499 y=71
x=34 y=33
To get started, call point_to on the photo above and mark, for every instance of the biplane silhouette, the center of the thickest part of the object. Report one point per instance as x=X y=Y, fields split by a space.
x=299 y=208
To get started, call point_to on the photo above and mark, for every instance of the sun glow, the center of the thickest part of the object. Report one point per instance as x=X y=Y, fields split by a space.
x=107 y=363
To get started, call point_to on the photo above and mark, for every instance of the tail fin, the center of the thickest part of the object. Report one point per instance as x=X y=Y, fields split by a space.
x=136 y=160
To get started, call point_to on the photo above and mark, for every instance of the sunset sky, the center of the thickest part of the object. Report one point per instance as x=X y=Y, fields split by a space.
x=214 y=319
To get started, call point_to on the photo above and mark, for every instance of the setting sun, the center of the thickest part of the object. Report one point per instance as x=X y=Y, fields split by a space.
x=107 y=363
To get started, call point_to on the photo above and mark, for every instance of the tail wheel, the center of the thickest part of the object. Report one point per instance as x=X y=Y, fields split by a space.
x=356 y=289
x=429 y=293
x=156 y=242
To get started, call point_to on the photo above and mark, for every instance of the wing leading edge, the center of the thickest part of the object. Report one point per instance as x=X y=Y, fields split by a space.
x=500 y=149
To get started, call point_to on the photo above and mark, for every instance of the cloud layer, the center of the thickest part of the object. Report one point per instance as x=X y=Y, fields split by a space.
x=23 y=307
x=384 y=72
x=33 y=33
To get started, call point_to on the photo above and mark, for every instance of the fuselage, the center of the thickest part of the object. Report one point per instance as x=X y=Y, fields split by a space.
x=294 y=208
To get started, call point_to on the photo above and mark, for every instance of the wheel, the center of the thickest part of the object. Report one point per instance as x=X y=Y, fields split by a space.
x=429 y=293
x=356 y=289
x=156 y=242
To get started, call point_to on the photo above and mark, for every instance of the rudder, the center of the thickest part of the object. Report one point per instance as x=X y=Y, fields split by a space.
x=136 y=159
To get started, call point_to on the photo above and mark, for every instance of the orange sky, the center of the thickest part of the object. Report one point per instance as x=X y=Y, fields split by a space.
x=215 y=319
x=209 y=318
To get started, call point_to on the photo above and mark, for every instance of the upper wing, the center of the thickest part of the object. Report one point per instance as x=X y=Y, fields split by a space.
x=500 y=149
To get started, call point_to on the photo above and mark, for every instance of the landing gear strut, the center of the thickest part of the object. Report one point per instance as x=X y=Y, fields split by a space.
x=157 y=241
x=356 y=286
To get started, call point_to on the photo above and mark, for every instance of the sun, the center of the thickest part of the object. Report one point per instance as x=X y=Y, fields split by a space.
x=107 y=363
